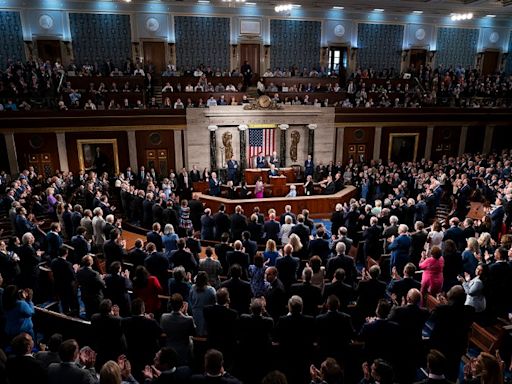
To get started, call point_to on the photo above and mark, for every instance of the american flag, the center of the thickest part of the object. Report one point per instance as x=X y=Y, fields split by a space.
x=261 y=140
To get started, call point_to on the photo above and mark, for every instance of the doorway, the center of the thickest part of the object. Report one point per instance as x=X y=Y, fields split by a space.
x=418 y=57
x=49 y=50
x=154 y=53
x=338 y=58
x=251 y=54
x=490 y=62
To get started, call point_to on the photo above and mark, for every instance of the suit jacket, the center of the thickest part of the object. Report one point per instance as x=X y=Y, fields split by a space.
x=109 y=338
x=402 y=286
x=25 y=369
x=137 y=257
x=157 y=265
x=53 y=244
x=222 y=224
x=457 y=235
x=176 y=376
x=335 y=332
x=371 y=236
x=400 y=248
x=297 y=349
x=91 y=284
x=344 y=292
x=276 y=299
x=178 y=329
x=183 y=258
x=240 y=294
x=214 y=187
x=319 y=247
x=254 y=335
x=221 y=327
x=311 y=297
x=283 y=216
x=81 y=247
x=63 y=275
x=345 y=262
x=271 y=229
x=155 y=238
x=380 y=338
x=411 y=319
x=69 y=372
x=113 y=252
x=303 y=232
x=256 y=231
x=221 y=250
x=142 y=337
x=309 y=167
x=240 y=258
x=369 y=292
x=251 y=247
x=337 y=221
x=238 y=225
x=287 y=266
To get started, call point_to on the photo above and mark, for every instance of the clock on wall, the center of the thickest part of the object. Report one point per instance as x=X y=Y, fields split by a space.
x=45 y=21
x=339 y=30
x=152 y=24
x=420 y=34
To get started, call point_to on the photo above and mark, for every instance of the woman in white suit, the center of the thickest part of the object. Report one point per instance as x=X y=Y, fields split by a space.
x=474 y=289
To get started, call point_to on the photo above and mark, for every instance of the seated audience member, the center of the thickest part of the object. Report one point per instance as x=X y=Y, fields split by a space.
x=50 y=354
x=22 y=368
x=214 y=370
x=165 y=368
x=67 y=370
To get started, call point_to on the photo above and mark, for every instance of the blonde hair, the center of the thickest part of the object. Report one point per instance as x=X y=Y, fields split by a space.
x=271 y=245
x=294 y=241
x=473 y=245
x=484 y=239
x=110 y=373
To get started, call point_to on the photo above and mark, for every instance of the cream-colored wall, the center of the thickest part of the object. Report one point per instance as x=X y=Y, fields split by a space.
x=230 y=117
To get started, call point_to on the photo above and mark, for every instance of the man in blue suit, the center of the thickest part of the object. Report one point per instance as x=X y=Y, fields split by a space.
x=497 y=215
x=214 y=184
x=260 y=160
x=232 y=170
x=400 y=248
x=309 y=167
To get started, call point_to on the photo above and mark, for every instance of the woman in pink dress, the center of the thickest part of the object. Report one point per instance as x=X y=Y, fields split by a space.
x=259 y=189
x=432 y=279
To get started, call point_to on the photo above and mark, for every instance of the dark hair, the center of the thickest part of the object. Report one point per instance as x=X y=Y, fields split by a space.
x=213 y=361
x=383 y=308
x=176 y=302
x=274 y=377
x=140 y=280
x=63 y=251
x=436 y=362
x=21 y=343
x=208 y=252
x=67 y=350
x=105 y=306
x=168 y=356
x=315 y=263
x=138 y=307
x=115 y=267
x=222 y=296
x=259 y=260
x=333 y=303
x=224 y=237
x=436 y=252
x=384 y=371
x=201 y=280
x=235 y=271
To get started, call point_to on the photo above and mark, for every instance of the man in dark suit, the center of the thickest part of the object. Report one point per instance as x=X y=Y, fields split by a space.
x=214 y=370
x=142 y=335
x=370 y=290
x=142 y=177
x=271 y=228
x=392 y=229
x=182 y=257
x=184 y=185
x=319 y=246
x=137 y=255
x=400 y=248
x=254 y=340
x=157 y=265
x=232 y=169
x=238 y=223
x=342 y=261
x=398 y=287
x=222 y=249
x=91 y=286
x=214 y=185
x=335 y=331
x=157 y=210
x=169 y=214
x=81 y=246
x=22 y=368
x=450 y=329
x=222 y=222
x=274 y=159
x=275 y=296
x=250 y=246
x=64 y=282
x=260 y=161
x=147 y=210
x=166 y=362
x=287 y=212
x=499 y=284
x=337 y=287
x=53 y=241
x=195 y=175
x=196 y=211
x=411 y=318
x=380 y=336
x=295 y=335
x=155 y=237
x=220 y=322
x=436 y=369
x=371 y=236
x=114 y=249
x=456 y=234
x=301 y=230
x=288 y=266
x=67 y=371
x=328 y=186
x=238 y=256
x=76 y=216
x=309 y=167
x=497 y=215
x=311 y=295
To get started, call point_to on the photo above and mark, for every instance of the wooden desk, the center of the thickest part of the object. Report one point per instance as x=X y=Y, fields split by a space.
x=252 y=175
x=320 y=206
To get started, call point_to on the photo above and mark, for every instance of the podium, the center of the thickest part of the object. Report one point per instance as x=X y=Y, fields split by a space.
x=278 y=186
x=252 y=174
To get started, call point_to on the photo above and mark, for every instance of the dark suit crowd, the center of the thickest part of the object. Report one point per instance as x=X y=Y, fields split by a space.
x=273 y=297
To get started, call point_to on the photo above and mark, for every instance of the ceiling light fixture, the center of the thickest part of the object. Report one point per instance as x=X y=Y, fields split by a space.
x=490 y=16
x=378 y=10
x=461 y=16
x=337 y=7
x=417 y=12
x=283 y=8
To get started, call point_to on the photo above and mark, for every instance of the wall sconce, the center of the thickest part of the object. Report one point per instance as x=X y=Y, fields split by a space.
x=353 y=52
x=233 y=49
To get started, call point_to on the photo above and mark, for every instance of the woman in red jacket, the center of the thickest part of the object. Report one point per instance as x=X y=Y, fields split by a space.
x=147 y=288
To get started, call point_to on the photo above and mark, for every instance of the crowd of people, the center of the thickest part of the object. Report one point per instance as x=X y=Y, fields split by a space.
x=273 y=295
x=42 y=84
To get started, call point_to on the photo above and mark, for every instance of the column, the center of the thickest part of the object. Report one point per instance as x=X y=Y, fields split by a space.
x=242 y=128
x=428 y=142
x=340 y=136
x=489 y=132
x=213 y=147
x=376 y=143
x=282 y=149
x=311 y=140
x=11 y=153
x=178 y=150
x=132 y=151
x=63 y=154
x=462 y=141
